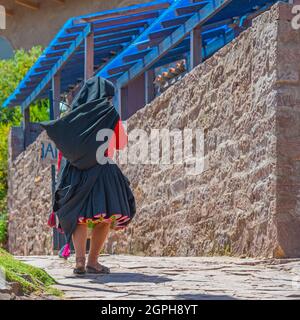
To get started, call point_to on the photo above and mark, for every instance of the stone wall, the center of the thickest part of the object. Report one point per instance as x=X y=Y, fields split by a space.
x=18 y=140
x=29 y=202
x=246 y=98
x=288 y=135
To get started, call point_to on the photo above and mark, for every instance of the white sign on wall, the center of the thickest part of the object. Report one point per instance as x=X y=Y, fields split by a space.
x=48 y=151
x=2 y=18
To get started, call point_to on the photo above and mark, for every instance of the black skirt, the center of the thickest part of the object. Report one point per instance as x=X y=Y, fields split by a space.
x=96 y=194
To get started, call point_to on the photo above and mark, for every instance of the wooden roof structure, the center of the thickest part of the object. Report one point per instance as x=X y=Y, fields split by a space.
x=126 y=44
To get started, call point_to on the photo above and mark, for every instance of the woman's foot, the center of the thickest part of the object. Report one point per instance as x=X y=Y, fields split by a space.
x=80 y=266
x=97 y=268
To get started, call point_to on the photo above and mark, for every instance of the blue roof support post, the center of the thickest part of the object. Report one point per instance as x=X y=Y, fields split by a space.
x=187 y=58
x=51 y=113
x=149 y=85
x=136 y=95
x=57 y=238
x=196 y=47
x=89 y=55
x=122 y=101
x=56 y=95
x=51 y=116
x=132 y=97
x=26 y=126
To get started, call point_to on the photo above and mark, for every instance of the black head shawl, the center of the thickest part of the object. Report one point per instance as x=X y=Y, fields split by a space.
x=75 y=133
x=93 y=89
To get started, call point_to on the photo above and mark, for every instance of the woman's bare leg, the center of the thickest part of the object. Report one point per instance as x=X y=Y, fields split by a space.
x=79 y=240
x=99 y=235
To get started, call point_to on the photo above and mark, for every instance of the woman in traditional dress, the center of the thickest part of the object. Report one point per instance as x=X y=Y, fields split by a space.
x=90 y=188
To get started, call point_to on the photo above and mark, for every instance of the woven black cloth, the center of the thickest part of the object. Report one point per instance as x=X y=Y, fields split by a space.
x=85 y=188
x=75 y=133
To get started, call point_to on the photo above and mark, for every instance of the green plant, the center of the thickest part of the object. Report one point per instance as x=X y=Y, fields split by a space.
x=12 y=72
x=3 y=229
x=30 y=278
x=3 y=182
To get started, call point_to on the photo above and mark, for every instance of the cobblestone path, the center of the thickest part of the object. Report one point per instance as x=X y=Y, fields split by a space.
x=137 y=277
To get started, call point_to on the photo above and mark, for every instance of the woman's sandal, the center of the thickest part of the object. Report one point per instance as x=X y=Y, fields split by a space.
x=101 y=269
x=80 y=270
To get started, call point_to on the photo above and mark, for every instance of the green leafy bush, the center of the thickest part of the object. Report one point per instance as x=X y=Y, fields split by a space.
x=31 y=279
x=3 y=228
x=12 y=71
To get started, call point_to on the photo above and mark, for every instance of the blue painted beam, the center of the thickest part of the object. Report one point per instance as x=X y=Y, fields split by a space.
x=199 y=18
x=176 y=21
x=142 y=37
x=120 y=34
x=191 y=8
x=121 y=68
x=56 y=67
x=127 y=26
x=213 y=33
x=118 y=40
x=76 y=28
x=38 y=75
x=136 y=56
x=30 y=82
x=69 y=27
x=41 y=69
x=155 y=41
x=114 y=77
x=61 y=45
x=69 y=33
x=45 y=62
x=148 y=44
x=182 y=19
x=164 y=49
x=56 y=53
x=115 y=13
x=162 y=33
x=106 y=32
x=59 y=52
x=103 y=50
x=218 y=43
x=169 y=59
x=127 y=19
x=209 y=49
x=68 y=37
x=25 y=79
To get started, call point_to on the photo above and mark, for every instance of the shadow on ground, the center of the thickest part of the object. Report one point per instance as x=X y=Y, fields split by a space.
x=202 y=297
x=122 y=277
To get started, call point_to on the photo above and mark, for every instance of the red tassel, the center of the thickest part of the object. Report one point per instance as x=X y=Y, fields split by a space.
x=65 y=251
x=52 y=220
x=59 y=160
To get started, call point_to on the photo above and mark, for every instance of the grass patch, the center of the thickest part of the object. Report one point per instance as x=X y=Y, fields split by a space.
x=3 y=229
x=31 y=279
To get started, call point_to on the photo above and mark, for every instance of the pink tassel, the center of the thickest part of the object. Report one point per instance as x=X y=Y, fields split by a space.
x=65 y=251
x=52 y=220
